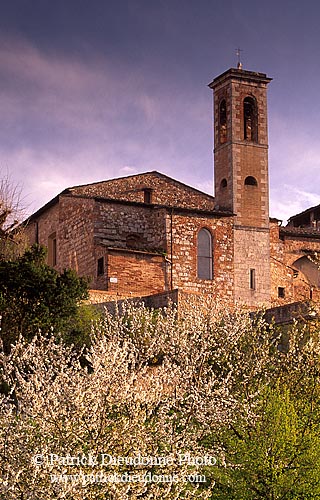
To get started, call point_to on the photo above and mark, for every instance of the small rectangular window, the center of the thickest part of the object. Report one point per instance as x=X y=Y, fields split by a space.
x=252 y=279
x=100 y=266
x=147 y=196
x=281 y=292
x=52 y=250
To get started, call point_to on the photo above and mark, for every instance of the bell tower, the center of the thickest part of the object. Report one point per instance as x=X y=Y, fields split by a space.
x=241 y=176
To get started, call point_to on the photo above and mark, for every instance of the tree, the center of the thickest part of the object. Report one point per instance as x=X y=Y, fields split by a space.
x=125 y=405
x=194 y=388
x=274 y=457
x=274 y=452
x=34 y=296
x=12 y=238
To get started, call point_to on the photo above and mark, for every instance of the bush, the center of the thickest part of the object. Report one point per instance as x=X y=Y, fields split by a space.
x=34 y=296
x=161 y=385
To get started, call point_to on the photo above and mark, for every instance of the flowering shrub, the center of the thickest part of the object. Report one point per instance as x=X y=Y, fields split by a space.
x=159 y=406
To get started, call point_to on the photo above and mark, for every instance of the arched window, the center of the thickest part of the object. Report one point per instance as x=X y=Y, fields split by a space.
x=250 y=119
x=204 y=255
x=223 y=122
x=250 y=181
x=223 y=183
x=308 y=266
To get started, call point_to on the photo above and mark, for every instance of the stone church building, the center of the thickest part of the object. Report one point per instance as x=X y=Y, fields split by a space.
x=149 y=234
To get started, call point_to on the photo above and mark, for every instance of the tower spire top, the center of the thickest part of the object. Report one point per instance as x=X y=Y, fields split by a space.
x=238 y=53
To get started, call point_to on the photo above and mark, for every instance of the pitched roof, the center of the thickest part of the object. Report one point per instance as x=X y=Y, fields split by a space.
x=166 y=192
x=308 y=210
x=151 y=173
x=305 y=232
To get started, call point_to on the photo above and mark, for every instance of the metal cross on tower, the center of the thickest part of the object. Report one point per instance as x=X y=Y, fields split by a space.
x=238 y=53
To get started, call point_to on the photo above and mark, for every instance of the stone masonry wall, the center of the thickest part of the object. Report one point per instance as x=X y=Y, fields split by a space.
x=72 y=222
x=129 y=226
x=75 y=236
x=164 y=191
x=184 y=229
x=284 y=252
x=132 y=242
x=43 y=227
x=282 y=275
x=135 y=244
x=251 y=252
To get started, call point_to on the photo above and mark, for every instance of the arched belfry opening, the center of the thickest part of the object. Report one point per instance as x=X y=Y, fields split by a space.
x=223 y=122
x=250 y=119
x=250 y=181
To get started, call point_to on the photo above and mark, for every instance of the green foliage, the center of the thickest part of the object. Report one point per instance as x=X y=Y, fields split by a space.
x=273 y=451
x=77 y=328
x=34 y=296
x=213 y=384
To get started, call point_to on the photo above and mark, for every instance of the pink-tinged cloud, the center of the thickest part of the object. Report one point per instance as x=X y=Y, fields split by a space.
x=69 y=120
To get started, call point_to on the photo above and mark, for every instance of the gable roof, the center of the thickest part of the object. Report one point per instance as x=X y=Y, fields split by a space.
x=165 y=190
x=154 y=173
x=305 y=212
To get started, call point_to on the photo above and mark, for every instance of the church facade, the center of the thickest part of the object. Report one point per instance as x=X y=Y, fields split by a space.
x=148 y=233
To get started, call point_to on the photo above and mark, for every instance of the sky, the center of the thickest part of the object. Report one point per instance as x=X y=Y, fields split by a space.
x=92 y=90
